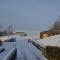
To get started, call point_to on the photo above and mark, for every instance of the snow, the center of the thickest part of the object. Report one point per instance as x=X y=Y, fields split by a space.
x=50 y=41
x=7 y=49
x=9 y=54
x=26 y=37
x=3 y=38
x=35 y=37
x=25 y=50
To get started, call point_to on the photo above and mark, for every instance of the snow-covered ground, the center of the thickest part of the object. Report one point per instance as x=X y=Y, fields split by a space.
x=8 y=48
x=25 y=50
x=50 y=41
x=3 y=38
x=34 y=37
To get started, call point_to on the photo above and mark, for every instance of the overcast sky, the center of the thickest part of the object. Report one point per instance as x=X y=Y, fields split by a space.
x=29 y=15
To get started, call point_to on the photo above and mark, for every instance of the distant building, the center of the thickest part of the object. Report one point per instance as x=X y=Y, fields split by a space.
x=21 y=33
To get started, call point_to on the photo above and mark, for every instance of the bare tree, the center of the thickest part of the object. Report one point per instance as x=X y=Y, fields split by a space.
x=57 y=24
x=55 y=28
x=10 y=29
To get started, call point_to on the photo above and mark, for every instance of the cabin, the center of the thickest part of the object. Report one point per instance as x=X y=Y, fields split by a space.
x=21 y=33
x=52 y=32
x=44 y=34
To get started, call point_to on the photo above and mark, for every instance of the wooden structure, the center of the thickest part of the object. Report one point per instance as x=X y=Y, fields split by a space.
x=44 y=34
x=52 y=52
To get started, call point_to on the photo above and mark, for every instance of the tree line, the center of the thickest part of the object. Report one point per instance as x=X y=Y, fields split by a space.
x=7 y=31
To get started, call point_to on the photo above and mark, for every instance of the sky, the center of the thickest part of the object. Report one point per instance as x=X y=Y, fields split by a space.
x=29 y=15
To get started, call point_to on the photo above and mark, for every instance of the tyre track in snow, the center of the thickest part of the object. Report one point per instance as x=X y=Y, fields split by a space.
x=28 y=53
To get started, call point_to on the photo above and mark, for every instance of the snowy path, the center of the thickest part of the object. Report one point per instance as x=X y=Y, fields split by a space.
x=27 y=51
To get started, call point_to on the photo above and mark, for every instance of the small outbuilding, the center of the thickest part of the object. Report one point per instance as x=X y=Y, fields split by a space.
x=21 y=33
x=44 y=34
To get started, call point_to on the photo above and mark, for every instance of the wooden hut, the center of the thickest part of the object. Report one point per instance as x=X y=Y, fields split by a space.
x=44 y=34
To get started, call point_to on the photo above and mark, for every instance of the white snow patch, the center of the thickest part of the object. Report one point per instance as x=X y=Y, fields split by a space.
x=50 y=41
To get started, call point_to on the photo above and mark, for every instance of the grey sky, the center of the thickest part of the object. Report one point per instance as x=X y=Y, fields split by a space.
x=29 y=15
